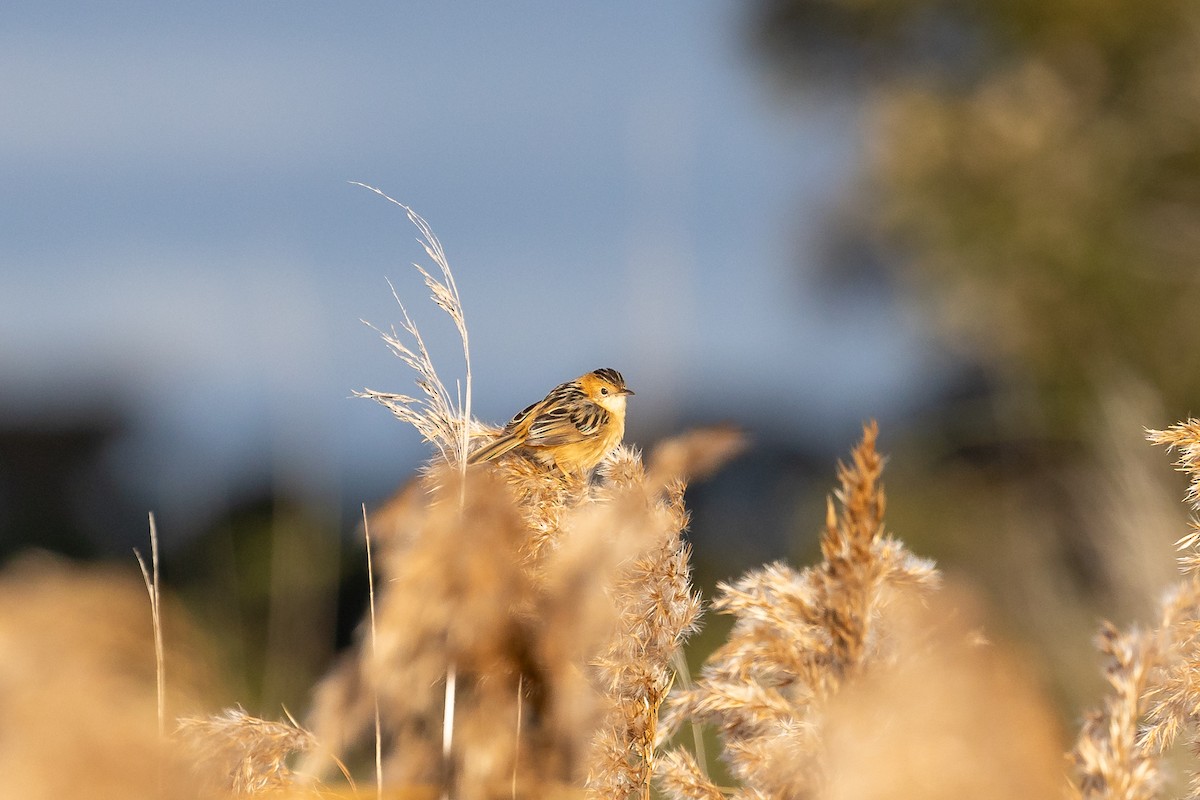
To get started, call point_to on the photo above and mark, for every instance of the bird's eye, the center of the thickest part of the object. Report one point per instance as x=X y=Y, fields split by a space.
x=603 y=390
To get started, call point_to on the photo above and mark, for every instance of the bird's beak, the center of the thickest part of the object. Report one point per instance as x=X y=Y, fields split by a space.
x=628 y=391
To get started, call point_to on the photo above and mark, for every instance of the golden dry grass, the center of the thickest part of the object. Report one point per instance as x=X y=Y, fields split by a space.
x=554 y=609
x=78 y=697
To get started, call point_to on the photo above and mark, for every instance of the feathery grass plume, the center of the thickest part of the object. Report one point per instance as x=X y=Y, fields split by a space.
x=1171 y=698
x=1153 y=701
x=544 y=498
x=440 y=419
x=241 y=754
x=456 y=595
x=678 y=770
x=587 y=632
x=1184 y=438
x=656 y=608
x=1153 y=675
x=797 y=637
x=1111 y=759
x=1174 y=696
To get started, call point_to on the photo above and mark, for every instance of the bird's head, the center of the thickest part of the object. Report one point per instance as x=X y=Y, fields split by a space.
x=606 y=388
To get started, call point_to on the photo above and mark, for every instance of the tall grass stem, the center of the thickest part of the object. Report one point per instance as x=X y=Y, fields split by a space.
x=374 y=659
x=151 y=579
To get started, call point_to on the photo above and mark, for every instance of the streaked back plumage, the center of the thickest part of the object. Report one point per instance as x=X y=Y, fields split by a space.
x=572 y=427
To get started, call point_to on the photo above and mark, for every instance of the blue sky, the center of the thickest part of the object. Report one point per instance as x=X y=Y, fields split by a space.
x=615 y=185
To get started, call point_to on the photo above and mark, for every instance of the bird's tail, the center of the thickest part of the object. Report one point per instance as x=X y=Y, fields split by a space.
x=494 y=449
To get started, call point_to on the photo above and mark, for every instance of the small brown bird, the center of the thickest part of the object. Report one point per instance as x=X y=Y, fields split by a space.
x=573 y=428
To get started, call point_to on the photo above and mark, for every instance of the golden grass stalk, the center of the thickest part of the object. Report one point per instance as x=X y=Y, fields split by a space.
x=442 y=420
x=1175 y=699
x=582 y=637
x=150 y=577
x=1174 y=696
x=679 y=771
x=1152 y=702
x=1184 y=438
x=656 y=610
x=1154 y=676
x=797 y=637
x=452 y=594
x=449 y=699
x=244 y=755
x=1111 y=759
x=374 y=654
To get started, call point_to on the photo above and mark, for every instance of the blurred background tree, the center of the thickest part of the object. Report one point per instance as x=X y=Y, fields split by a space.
x=1031 y=180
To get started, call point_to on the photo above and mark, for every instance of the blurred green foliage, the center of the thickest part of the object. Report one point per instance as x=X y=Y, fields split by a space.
x=1033 y=170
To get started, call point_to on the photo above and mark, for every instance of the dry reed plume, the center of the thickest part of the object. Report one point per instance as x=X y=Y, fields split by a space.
x=854 y=679
x=1154 y=675
x=797 y=637
x=236 y=752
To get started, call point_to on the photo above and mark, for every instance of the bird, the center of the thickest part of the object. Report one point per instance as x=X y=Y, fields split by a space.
x=572 y=428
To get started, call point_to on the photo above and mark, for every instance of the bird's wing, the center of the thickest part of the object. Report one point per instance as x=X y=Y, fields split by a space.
x=566 y=424
x=494 y=449
x=516 y=421
x=560 y=395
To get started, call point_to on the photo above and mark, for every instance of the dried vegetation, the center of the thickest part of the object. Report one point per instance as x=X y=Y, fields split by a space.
x=525 y=641
x=1125 y=745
